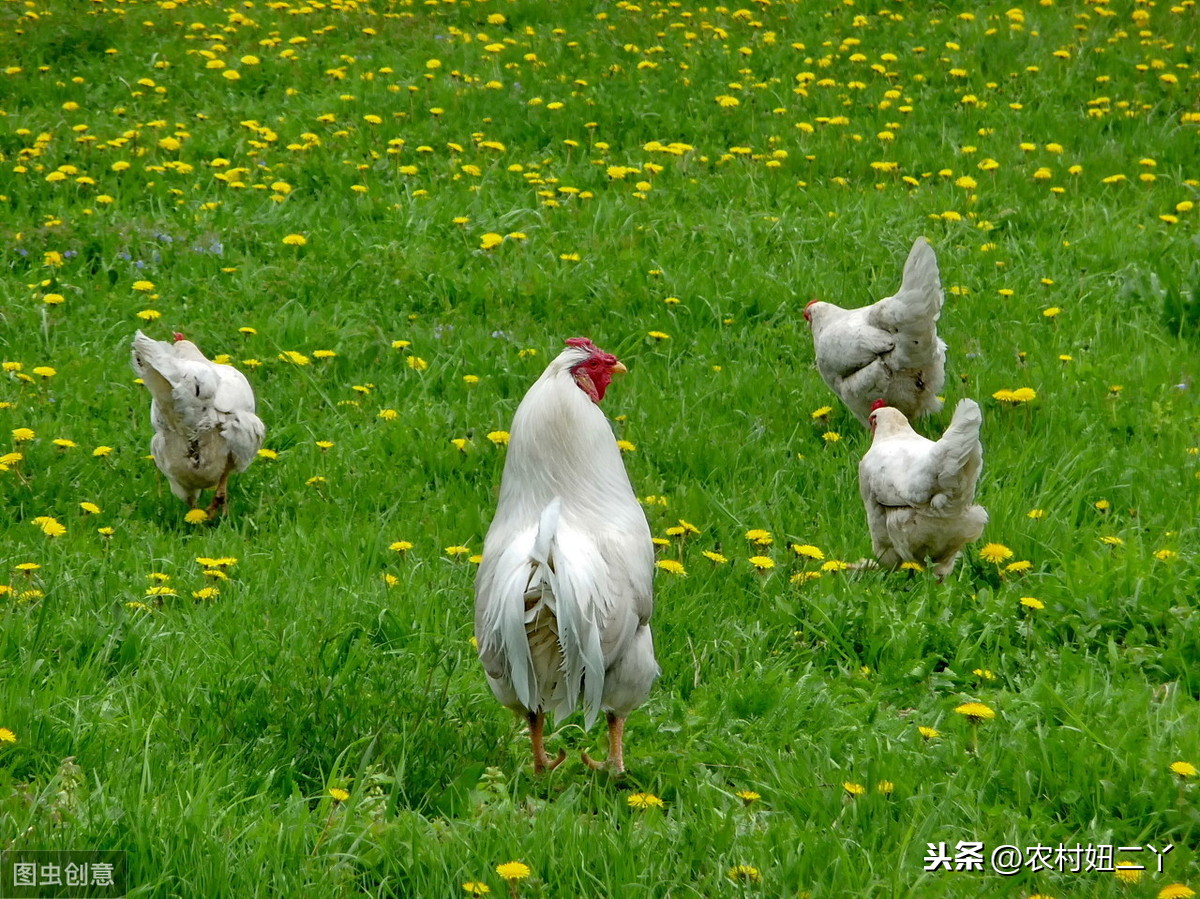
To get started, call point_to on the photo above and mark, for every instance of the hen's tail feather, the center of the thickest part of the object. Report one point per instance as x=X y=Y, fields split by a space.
x=960 y=441
x=960 y=457
x=920 y=294
x=155 y=366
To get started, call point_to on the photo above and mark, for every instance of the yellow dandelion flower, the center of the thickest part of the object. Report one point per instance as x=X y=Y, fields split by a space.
x=748 y=797
x=1036 y=514
x=835 y=565
x=196 y=516
x=714 y=557
x=475 y=889
x=1030 y=602
x=995 y=553
x=1128 y=872
x=7 y=736
x=853 y=789
x=822 y=412
x=513 y=871
x=490 y=241
x=1176 y=891
x=975 y=712
x=744 y=873
x=671 y=567
x=1183 y=769
x=52 y=528
x=643 y=801
x=807 y=551
x=295 y=240
x=338 y=794
x=762 y=563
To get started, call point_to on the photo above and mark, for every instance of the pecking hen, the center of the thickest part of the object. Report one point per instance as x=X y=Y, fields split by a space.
x=920 y=495
x=564 y=593
x=203 y=414
x=887 y=350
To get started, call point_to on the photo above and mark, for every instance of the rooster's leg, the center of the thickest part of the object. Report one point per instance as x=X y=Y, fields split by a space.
x=616 y=747
x=541 y=762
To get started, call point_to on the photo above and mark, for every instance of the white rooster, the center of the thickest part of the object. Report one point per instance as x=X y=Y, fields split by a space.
x=920 y=494
x=888 y=350
x=564 y=592
x=203 y=414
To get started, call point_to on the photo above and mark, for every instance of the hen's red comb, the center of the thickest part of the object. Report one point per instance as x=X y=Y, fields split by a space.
x=178 y=337
x=810 y=302
x=878 y=404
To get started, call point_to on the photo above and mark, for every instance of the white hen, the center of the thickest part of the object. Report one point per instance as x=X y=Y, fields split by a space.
x=888 y=350
x=203 y=414
x=920 y=494
x=564 y=592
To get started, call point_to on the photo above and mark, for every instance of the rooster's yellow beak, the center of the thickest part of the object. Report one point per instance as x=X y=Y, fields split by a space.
x=620 y=368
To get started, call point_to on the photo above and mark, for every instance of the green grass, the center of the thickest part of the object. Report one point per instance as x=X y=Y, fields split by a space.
x=205 y=735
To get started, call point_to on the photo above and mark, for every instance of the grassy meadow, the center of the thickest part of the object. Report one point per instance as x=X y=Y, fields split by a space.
x=389 y=215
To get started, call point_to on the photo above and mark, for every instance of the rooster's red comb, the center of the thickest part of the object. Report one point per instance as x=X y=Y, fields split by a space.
x=878 y=404
x=584 y=343
x=178 y=337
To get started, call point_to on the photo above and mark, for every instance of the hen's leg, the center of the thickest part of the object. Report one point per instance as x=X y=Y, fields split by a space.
x=218 y=500
x=541 y=762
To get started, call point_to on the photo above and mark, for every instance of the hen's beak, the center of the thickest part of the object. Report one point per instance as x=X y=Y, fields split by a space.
x=619 y=368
